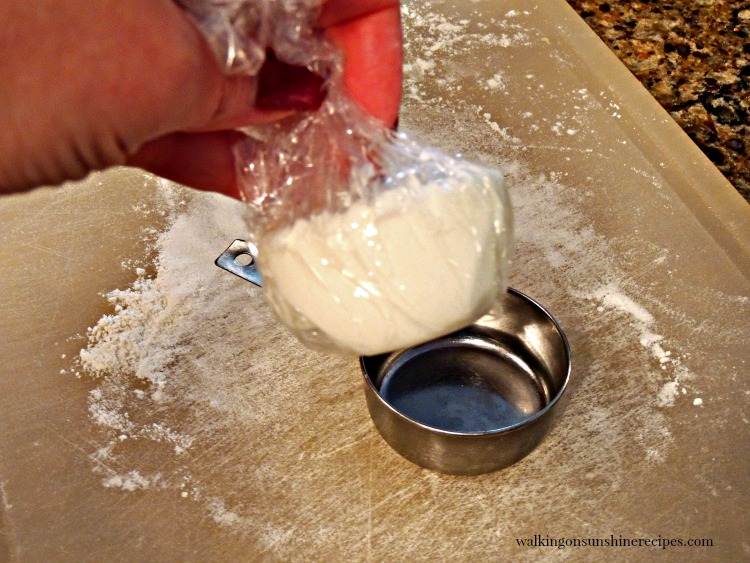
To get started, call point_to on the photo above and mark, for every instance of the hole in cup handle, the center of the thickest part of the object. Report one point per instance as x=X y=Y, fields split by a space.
x=239 y=259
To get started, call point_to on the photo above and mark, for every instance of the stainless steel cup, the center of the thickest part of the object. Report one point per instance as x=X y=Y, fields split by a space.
x=474 y=401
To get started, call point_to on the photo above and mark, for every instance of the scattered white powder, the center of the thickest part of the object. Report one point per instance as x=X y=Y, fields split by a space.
x=424 y=65
x=502 y=132
x=221 y=515
x=496 y=82
x=146 y=331
x=668 y=393
x=133 y=352
x=4 y=503
x=434 y=41
x=193 y=367
x=613 y=298
x=560 y=129
x=131 y=481
x=697 y=401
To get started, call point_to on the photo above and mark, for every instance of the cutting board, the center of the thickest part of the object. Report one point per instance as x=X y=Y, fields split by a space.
x=258 y=449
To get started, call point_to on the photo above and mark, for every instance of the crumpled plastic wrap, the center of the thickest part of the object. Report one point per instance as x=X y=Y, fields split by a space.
x=240 y=32
x=367 y=241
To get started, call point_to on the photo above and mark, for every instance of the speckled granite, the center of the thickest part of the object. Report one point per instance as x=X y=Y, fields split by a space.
x=694 y=58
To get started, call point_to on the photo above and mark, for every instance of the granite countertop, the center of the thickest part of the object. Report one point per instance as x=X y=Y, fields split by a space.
x=694 y=58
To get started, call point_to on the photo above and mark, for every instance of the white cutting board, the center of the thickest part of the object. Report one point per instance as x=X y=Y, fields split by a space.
x=630 y=233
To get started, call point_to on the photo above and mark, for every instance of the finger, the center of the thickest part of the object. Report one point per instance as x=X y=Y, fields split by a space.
x=282 y=86
x=218 y=101
x=279 y=90
x=235 y=108
x=335 y=12
x=200 y=160
x=372 y=60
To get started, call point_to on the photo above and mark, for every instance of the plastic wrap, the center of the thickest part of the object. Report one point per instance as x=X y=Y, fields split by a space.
x=240 y=32
x=367 y=241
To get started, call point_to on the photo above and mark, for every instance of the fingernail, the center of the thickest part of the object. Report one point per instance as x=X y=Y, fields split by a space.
x=282 y=86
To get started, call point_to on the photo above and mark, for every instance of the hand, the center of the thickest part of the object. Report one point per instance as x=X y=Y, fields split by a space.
x=90 y=85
